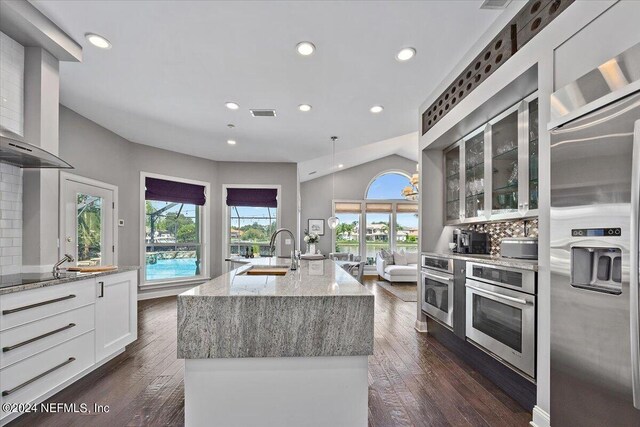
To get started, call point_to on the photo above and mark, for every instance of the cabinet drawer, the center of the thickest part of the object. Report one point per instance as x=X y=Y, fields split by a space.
x=22 y=307
x=31 y=378
x=26 y=340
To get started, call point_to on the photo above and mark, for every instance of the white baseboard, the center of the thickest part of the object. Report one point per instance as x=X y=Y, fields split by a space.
x=420 y=326
x=540 y=418
x=163 y=292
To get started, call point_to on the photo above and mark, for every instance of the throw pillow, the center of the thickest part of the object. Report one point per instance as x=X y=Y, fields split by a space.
x=399 y=258
x=386 y=256
x=412 y=257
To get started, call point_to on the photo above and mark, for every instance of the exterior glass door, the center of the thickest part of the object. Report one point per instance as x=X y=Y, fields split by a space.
x=88 y=223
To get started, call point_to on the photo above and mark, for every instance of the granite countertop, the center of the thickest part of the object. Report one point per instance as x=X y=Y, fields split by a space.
x=65 y=277
x=523 y=264
x=317 y=310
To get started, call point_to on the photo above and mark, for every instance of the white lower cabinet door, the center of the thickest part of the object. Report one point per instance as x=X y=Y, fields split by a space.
x=116 y=313
x=30 y=379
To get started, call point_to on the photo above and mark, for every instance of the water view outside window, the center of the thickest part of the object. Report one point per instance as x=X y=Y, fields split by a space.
x=407 y=232
x=391 y=222
x=250 y=229
x=348 y=233
x=173 y=244
x=377 y=235
x=89 y=223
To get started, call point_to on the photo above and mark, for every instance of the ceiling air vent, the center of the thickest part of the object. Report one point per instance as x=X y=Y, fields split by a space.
x=263 y=113
x=495 y=4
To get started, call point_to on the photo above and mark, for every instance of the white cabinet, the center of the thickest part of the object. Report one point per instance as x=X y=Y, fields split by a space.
x=52 y=336
x=116 y=313
x=11 y=85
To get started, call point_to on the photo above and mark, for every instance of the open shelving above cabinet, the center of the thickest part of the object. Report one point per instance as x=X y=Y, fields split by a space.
x=492 y=173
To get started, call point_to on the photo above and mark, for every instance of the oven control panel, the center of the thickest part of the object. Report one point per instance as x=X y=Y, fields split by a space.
x=596 y=232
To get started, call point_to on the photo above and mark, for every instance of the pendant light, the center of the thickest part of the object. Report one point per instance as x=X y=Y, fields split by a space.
x=333 y=221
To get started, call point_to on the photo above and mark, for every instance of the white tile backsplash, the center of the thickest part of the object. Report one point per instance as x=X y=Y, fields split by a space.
x=11 y=85
x=10 y=219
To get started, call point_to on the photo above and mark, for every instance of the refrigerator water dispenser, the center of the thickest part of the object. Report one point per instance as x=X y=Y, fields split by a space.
x=597 y=269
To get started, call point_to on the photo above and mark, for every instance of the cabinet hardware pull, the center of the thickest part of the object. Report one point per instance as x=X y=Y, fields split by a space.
x=497 y=295
x=39 y=337
x=37 y=377
x=38 y=304
x=101 y=290
x=438 y=277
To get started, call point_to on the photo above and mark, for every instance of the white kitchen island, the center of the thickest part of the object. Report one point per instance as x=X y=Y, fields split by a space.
x=285 y=350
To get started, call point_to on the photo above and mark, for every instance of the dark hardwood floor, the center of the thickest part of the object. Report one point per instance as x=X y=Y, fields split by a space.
x=413 y=379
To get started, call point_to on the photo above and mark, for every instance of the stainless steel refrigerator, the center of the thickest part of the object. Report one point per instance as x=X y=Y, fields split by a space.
x=595 y=191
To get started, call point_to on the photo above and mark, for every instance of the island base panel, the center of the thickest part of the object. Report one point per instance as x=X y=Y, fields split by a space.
x=288 y=391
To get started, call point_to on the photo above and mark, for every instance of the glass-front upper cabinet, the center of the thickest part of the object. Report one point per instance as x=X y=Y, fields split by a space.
x=504 y=141
x=492 y=174
x=474 y=172
x=452 y=184
x=533 y=124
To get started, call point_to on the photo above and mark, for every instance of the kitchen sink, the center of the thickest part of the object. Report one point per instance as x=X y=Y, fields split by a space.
x=260 y=270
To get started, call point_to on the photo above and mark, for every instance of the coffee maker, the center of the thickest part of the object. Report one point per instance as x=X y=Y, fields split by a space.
x=470 y=242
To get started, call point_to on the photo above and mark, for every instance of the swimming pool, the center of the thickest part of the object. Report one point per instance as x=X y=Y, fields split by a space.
x=171 y=268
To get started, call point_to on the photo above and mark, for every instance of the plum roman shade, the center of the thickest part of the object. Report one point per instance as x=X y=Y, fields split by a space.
x=172 y=191
x=255 y=197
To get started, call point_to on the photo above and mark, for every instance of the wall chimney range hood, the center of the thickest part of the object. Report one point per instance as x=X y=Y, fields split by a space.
x=16 y=152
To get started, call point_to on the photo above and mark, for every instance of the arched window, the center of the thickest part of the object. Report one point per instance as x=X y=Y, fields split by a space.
x=387 y=186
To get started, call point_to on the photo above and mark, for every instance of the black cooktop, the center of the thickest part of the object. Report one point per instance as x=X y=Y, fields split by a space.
x=9 y=280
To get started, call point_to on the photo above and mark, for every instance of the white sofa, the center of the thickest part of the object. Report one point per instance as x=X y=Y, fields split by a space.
x=398 y=273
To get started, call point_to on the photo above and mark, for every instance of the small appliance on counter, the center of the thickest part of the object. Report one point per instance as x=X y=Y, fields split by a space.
x=519 y=247
x=470 y=242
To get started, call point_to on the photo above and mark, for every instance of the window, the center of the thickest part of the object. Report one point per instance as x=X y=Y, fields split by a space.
x=391 y=222
x=89 y=232
x=387 y=186
x=174 y=233
x=252 y=217
x=348 y=233
x=250 y=229
x=407 y=227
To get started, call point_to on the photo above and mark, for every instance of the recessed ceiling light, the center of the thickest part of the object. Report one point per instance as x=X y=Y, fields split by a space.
x=231 y=141
x=305 y=48
x=98 y=41
x=340 y=165
x=304 y=107
x=406 y=54
x=376 y=109
x=231 y=105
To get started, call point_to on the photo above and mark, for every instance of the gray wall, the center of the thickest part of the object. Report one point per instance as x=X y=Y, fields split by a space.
x=98 y=153
x=350 y=184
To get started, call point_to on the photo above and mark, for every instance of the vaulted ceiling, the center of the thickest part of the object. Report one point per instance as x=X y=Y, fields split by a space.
x=174 y=64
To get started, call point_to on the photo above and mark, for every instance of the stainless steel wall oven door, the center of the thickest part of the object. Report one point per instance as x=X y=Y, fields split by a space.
x=437 y=296
x=503 y=320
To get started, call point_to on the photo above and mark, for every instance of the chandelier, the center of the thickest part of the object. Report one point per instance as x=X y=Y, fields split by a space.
x=410 y=192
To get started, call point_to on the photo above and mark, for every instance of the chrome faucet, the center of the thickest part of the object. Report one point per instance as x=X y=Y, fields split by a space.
x=272 y=246
x=56 y=267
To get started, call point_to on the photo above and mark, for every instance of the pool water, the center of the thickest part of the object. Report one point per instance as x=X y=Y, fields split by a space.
x=171 y=268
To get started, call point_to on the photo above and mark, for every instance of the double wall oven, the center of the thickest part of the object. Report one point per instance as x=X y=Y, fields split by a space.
x=437 y=288
x=501 y=313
